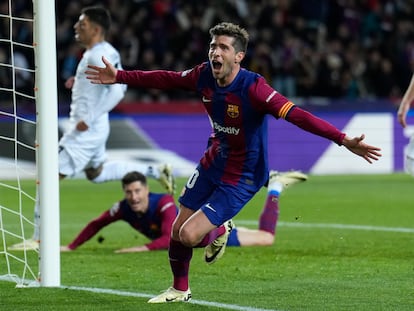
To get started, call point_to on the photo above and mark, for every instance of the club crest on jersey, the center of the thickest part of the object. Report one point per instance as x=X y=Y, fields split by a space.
x=233 y=111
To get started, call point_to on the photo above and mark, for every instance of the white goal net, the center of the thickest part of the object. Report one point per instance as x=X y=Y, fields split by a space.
x=28 y=137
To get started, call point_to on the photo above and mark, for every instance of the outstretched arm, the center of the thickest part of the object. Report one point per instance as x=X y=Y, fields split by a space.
x=406 y=103
x=90 y=230
x=357 y=146
x=102 y=75
x=315 y=125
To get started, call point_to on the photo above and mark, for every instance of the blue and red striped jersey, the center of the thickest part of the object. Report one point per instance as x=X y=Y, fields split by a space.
x=237 y=148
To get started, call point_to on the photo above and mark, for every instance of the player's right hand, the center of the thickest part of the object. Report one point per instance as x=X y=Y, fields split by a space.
x=102 y=75
x=357 y=146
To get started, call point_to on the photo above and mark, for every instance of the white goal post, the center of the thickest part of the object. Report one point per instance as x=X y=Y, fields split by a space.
x=17 y=139
x=47 y=140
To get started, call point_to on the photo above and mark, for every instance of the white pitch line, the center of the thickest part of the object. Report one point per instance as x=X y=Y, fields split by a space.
x=242 y=222
x=331 y=226
x=31 y=283
x=142 y=295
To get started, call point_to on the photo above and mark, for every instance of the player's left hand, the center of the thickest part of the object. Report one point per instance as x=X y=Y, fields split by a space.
x=81 y=126
x=132 y=249
x=69 y=83
x=357 y=146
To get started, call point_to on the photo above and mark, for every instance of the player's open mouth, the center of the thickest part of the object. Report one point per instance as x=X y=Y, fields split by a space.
x=216 y=65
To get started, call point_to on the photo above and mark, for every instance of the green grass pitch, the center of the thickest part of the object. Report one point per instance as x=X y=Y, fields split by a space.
x=343 y=243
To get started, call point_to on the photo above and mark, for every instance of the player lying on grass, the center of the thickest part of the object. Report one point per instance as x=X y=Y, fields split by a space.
x=235 y=165
x=153 y=214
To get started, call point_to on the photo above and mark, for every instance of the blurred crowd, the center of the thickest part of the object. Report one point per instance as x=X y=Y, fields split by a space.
x=305 y=48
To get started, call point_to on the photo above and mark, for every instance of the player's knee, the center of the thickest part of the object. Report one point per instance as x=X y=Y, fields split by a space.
x=188 y=237
x=92 y=174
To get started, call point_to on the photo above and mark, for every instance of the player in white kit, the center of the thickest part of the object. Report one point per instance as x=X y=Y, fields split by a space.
x=83 y=145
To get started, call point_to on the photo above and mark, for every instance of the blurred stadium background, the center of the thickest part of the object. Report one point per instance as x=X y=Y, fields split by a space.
x=347 y=61
x=343 y=242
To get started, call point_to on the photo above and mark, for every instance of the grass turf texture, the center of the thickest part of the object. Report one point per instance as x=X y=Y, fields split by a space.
x=309 y=267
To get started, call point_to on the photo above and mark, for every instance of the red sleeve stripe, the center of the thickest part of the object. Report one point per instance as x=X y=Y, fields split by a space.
x=285 y=109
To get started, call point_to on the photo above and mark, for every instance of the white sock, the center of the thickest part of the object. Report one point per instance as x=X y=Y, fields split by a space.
x=275 y=186
x=115 y=170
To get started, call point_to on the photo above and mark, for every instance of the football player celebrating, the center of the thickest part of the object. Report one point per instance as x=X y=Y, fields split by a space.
x=235 y=164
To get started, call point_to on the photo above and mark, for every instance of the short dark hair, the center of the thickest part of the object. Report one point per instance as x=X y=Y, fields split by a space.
x=240 y=35
x=98 y=15
x=133 y=176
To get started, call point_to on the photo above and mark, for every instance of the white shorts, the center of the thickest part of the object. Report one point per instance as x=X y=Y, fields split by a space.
x=81 y=150
x=409 y=157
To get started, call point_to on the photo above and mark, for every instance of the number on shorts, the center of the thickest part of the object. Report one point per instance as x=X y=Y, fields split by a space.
x=192 y=180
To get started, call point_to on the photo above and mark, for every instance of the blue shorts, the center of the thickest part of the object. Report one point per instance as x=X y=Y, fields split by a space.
x=219 y=201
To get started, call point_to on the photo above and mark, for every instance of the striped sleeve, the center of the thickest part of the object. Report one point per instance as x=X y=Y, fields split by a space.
x=283 y=112
x=268 y=100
